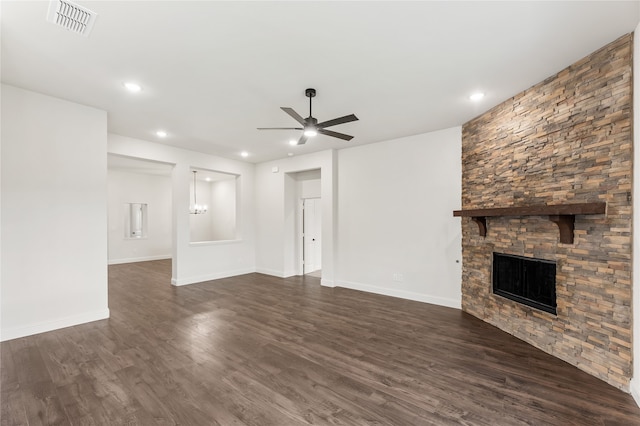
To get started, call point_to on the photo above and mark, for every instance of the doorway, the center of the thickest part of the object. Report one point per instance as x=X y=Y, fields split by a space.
x=304 y=189
x=139 y=210
x=312 y=236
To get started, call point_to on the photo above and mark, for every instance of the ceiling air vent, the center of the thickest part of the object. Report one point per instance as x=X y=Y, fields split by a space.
x=71 y=16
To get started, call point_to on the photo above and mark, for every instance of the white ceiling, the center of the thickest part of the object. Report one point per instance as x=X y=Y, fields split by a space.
x=212 y=72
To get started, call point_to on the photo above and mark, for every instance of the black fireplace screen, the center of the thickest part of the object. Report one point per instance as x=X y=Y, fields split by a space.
x=525 y=280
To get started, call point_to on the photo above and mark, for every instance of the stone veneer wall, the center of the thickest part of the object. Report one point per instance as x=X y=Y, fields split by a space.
x=565 y=140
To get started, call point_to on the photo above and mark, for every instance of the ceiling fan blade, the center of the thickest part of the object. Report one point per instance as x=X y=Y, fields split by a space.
x=302 y=140
x=336 y=121
x=335 y=134
x=293 y=114
x=280 y=128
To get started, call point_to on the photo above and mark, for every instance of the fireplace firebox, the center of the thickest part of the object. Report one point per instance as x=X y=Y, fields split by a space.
x=525 y=280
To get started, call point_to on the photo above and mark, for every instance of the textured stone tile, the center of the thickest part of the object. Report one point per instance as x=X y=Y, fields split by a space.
x=566 y=139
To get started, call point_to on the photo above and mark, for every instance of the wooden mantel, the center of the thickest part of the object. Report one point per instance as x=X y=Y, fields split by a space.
x=564 y=215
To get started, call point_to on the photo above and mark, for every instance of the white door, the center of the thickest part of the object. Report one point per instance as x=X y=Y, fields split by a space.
x=311 y=234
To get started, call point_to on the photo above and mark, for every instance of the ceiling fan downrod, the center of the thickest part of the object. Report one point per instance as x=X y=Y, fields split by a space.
x=310 y=93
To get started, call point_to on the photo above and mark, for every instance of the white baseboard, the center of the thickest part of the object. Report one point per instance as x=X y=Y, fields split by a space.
x=402 y=294
x=271 y=272
x=43 y=327
x=634 y=387
x=209 y=277
x=327 y=283
x=138 y=259
x=290 y=273
x=279 y=274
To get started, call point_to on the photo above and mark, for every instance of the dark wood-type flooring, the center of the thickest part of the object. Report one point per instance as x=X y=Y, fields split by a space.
x=260 y=350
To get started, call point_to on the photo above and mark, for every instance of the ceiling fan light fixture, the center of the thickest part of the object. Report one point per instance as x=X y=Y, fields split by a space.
x=310 y=132
x=310 y=126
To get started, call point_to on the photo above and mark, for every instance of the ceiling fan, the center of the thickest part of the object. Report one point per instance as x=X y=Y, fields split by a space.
x=310 y=125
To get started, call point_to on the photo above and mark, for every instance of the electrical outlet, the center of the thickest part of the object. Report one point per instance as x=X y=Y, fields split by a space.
x=398 y=277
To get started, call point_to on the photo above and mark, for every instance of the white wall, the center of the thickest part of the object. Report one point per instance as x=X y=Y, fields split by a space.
x=200 y=224
x=397 y=233
x=54 y=255
x=390 y=213
x=196 y=262
x=309 y=184
x=219 y=221
x=155 y=191
x=635 y=381
x=276 y=200
x=390 y=208
x=223 y=209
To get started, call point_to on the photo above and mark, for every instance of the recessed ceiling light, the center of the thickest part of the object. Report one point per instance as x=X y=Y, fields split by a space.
x=293 y=142
x=290 y=154
x=208 y=179
x=244 y=153
x=132 y=87
x=476 y=96
x=161 y=134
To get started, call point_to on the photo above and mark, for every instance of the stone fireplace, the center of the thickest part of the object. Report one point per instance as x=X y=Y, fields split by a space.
x=566 y=140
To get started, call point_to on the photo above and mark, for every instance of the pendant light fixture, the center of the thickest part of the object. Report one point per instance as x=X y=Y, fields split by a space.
x=196 y=208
